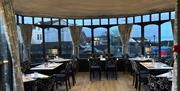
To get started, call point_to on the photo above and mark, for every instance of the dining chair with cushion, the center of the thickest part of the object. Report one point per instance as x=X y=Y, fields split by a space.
x=63 y=77
x=139 y=76
x=45 y=84
x=111 y=67
x=94 y=67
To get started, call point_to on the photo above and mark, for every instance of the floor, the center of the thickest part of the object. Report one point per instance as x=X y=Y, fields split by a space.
x=83 y=83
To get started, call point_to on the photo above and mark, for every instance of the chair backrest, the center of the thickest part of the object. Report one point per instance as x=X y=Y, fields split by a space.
x=134 y=66
x=30 y=86
x=111 y=61
x=45 y=84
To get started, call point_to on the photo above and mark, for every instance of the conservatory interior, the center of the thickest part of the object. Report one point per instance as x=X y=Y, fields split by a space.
x=96 y=45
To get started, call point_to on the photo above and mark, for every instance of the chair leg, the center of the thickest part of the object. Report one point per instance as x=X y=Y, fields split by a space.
x=116 y=74
x=69 y=83
x=90 y=74
x=66 y=85
x=133 y=79
x=136 y=81
x=73 y=79
x=99 y=74
x=139 y=86
x=107 y=74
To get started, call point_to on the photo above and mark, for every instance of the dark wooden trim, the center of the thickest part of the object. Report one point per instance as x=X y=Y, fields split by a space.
x=159 y=38
x=59 y=41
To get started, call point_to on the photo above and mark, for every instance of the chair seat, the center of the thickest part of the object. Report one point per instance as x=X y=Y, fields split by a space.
x=111 y=66
x=95 y=67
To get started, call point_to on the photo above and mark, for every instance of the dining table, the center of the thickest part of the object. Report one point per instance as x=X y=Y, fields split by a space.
x=168 y=75
x=141 y=59
x=33 y=76
x=60 y=60
x=156 y=68
x=48 y=68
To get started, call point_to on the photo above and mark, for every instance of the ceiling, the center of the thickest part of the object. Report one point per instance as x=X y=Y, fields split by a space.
x=90 y=8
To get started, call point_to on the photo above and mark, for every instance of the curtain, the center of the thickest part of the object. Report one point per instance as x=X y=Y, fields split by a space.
x=75 y=34
x=125 y=31
x=26 y=31
x=12 y=39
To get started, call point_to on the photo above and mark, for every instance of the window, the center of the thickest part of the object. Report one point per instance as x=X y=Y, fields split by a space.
x=95 y=21
x=151 y=40
x=146 y=18
x=37 y=20
x=104 y=21
x=154 y=17
x=165 y=16
x=79 y=22
x=130 y=20
x=137 y=19
x=36 y=46
x=85 y=44
x=121 y=20
x=135 y=41
x=66 y=43
x=70 y=22
x=51 y=40
x=115 y=42
x=87 y=21
x=100 y=41
x=37 y=36
x=113 y=20
x=27 y=20
x=63 y=22
x=173 y=15
x=166 y=40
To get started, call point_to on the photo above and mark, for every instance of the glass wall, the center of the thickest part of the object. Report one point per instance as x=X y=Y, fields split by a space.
x=166 y=40
x=101 y=36
x=100 y=41
x=135 y=41
x=151 y=40
x=51 y=40
x=115 y=42
x=66 y=43
x=36 y=46
x=85 y=44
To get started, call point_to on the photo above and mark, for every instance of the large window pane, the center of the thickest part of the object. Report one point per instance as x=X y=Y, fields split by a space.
x=51 y=40
x=85 y=45
x=100 y=40
x=151 y=40
x=166 y=40
x=115 y=42
x=66 y=43
x=36 y=46
x=135 y=41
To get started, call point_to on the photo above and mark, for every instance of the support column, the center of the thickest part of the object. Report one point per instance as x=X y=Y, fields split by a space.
x=159 y=40
x=59 y=41
x=43 y=44
x=108 y=39
x=142 y=40
x=92 y=35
